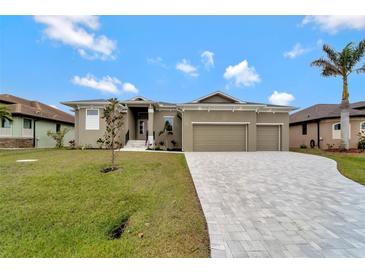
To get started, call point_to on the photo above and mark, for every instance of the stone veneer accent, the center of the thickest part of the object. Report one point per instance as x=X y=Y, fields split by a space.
x=16 y=142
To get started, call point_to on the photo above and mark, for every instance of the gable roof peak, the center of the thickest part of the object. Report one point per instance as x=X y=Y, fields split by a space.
x=219 y=93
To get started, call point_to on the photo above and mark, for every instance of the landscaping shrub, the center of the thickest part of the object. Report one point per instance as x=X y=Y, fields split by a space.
x=58 y=136
x=72 y=144
x=361 y=142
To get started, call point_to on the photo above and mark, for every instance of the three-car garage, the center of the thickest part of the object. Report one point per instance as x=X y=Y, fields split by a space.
x=220 y=122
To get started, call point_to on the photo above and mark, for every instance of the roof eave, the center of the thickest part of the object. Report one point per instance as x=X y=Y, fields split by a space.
x=75 y=103
x=253 y=107
x=323 y=118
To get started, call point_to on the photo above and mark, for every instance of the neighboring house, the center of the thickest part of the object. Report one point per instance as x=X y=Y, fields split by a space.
x=31 y=121
x=216 y=122
x=320 y=125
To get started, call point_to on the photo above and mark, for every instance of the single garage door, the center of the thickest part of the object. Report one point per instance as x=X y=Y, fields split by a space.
x=268 y=137
x=219 y=137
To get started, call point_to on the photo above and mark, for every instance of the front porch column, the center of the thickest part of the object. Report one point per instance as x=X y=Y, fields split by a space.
x=150 y=126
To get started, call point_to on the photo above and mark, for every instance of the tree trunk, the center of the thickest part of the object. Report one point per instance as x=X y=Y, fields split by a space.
x=112 y=142
x=345 y=116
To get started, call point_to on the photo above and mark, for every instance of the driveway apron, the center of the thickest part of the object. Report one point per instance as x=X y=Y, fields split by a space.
x=278 y=204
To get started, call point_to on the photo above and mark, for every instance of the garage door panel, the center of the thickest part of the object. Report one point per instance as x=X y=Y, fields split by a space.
x=267 y=138
x=219 y=137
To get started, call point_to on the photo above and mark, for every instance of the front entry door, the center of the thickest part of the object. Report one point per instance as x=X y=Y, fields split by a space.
x=141 y=129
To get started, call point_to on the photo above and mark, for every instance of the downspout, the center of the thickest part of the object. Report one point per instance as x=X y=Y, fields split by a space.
x=318 y=135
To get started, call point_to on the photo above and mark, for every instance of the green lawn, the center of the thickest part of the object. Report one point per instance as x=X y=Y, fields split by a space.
x=62 y=206
x=351 y=165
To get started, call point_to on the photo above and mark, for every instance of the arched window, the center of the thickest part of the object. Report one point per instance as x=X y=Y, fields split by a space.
x=336 y=131
x=362 y=125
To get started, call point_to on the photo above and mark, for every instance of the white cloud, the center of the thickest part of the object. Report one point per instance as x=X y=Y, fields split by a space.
x=207 y=58
x=242 y=74
x=335 y=23
x=128 y=87
x=296 y=51
x=185 y=67
x=158 y=61
x=79 y=33
x=281 y=98
x=106 y=84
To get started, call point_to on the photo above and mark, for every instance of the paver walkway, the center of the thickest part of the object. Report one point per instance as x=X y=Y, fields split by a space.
x=278 y=204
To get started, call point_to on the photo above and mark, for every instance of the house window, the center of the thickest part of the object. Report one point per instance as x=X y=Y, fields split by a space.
x=5 y=123
x=27 y=123
x=92 y=119
x=304 y=129
x=58 y=127
x=362 y=125
x=168 y=122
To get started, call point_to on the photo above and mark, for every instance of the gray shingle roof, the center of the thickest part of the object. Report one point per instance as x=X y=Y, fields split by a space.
x=323 y=111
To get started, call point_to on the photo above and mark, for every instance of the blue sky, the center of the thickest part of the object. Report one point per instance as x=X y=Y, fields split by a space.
x=176 y=59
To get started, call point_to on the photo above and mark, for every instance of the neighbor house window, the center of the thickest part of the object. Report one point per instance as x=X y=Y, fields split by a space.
x=168 y=122
x=58 y=127
x=5 y=127
x=27 y=123
x=362 y=125
x=336 y=131
x=304 y=129
x=5 y=123
x=92 y=119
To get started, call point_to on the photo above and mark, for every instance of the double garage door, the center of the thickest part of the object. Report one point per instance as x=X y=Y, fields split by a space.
x=220 y=137
x=234 y=137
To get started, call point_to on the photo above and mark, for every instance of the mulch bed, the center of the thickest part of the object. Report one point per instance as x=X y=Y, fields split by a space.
x=351 y=150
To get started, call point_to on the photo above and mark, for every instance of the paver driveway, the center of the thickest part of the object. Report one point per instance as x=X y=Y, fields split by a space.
x=278 y=204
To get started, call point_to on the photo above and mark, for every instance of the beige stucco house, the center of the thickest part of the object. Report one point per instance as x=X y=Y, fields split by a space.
x=319 y=125
x=216 y=122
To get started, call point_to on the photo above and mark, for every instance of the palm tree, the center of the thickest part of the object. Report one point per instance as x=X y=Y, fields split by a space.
x=5 y=113
x=342 y=64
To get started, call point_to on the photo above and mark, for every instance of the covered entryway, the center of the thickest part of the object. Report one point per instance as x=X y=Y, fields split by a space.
x=220 y=136
x=268 y=137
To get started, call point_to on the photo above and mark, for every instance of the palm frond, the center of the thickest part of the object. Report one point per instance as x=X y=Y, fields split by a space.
x=332 y=54
x=361 y=69
x=358 y=53
x=5 y=113
x=328 y=68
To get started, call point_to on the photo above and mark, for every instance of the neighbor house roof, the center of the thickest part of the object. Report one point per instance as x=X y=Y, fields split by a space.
x=21 y=106
x=325 y=111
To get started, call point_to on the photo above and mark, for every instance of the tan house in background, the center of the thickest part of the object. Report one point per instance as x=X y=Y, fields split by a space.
x=319 y=125
x=216 y=122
